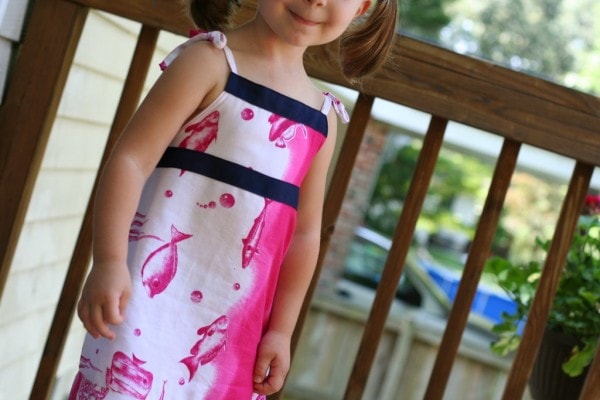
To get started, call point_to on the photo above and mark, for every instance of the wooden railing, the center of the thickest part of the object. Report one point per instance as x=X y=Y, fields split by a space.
x=519 y=108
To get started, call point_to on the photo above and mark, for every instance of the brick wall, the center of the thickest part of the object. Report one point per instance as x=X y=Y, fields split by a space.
x=355 y=203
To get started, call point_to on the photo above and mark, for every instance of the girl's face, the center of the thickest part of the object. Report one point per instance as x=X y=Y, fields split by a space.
x=310 y=22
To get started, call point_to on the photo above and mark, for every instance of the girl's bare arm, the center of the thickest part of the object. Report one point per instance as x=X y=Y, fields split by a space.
x=176 y=95
x=296 y=273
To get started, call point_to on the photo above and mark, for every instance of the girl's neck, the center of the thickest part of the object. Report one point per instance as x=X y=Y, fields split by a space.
x=264 y=58
x=257 y=41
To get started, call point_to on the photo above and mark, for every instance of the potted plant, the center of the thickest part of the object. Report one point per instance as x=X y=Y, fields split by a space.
x=574 y=319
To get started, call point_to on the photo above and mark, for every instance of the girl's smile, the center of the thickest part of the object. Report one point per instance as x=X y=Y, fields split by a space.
x=303 y=21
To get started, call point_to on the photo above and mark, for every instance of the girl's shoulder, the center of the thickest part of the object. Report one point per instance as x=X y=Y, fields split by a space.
x=198 y=67
x=205 y=47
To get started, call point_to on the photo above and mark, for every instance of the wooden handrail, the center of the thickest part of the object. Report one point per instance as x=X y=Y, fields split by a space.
x=479 y=94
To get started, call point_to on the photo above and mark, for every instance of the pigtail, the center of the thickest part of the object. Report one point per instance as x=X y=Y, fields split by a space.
x=365 y=46
x=212 y=15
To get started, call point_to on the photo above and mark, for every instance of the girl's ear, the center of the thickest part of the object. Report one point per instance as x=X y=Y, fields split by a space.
x=364 y=7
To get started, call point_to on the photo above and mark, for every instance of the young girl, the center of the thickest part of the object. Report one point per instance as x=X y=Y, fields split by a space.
x=207 y=220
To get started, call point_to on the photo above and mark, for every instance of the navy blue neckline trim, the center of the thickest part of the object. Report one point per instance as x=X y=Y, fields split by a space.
x=276 y=102
x=230 y=173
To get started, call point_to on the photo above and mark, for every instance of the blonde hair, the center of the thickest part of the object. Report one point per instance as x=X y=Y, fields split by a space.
x=364 y=47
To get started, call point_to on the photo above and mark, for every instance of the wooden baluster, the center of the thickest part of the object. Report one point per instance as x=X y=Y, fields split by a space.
x=591 y=388
x=28 y=112
x=552 y=270
x=395 y=262
x=65 y=309
x=482 y=243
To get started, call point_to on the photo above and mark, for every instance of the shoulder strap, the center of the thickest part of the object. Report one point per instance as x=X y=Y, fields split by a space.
x=218 y=39
x=332 y=101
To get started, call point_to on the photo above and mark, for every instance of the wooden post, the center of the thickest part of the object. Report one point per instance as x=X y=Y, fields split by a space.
x=395 y=262
x=591 y=388
x=552 y=270
x=482 y=243
x=29 y=109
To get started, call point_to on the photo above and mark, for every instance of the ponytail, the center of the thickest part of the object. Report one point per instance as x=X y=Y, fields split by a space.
x=365 y=46
x=212 y=15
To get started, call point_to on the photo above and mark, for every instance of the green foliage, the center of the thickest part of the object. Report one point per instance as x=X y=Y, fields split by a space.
x=534 y=41
x=391 y=189
x=576 y=307
x=424 y=17
x=455 y=175
x=557 y=39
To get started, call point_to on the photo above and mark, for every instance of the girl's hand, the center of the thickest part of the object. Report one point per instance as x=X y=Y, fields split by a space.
x=103 y=299
x=272 y=362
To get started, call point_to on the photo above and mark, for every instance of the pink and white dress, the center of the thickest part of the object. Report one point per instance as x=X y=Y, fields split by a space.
x=213 y=225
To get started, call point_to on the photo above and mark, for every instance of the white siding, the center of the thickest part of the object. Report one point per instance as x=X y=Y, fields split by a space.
x=60 y=197
x=12 y=13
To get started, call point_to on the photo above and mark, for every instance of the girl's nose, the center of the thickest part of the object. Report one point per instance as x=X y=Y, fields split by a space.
x=317 y=2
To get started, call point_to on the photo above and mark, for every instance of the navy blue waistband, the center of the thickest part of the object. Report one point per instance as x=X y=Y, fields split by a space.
x=230 y=173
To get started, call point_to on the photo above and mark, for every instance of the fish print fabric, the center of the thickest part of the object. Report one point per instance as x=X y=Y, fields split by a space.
x=212 y=228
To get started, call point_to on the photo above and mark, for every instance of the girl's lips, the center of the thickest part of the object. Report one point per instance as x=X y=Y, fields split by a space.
x=302 y=20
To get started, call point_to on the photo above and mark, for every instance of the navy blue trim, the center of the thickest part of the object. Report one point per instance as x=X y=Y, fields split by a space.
x=231 y=173
x=276 y=102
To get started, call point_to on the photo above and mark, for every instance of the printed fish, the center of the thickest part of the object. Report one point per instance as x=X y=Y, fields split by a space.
x=126 y=376
x=284 y=130
x=135 y=233
x=160 y=266
x=212 y=342
x=86 y=363
x=83 y=388
x=250 y=242
x=201 y=134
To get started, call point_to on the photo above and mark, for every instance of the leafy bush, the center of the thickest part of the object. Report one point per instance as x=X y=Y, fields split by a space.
x=576 y=307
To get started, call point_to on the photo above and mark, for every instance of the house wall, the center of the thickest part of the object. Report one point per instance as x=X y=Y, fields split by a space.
x=12 y=16
x=60 y=198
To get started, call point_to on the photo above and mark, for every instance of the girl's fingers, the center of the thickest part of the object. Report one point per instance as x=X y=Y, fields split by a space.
x=271 y=385
x=98 y=323
x=123 y=303
x=83 y=312
x=111 y=311
x=272 y=379
x=261 y=369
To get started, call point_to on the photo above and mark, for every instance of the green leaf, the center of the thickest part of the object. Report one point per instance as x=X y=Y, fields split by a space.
x=506 y=344
x=580 y=358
